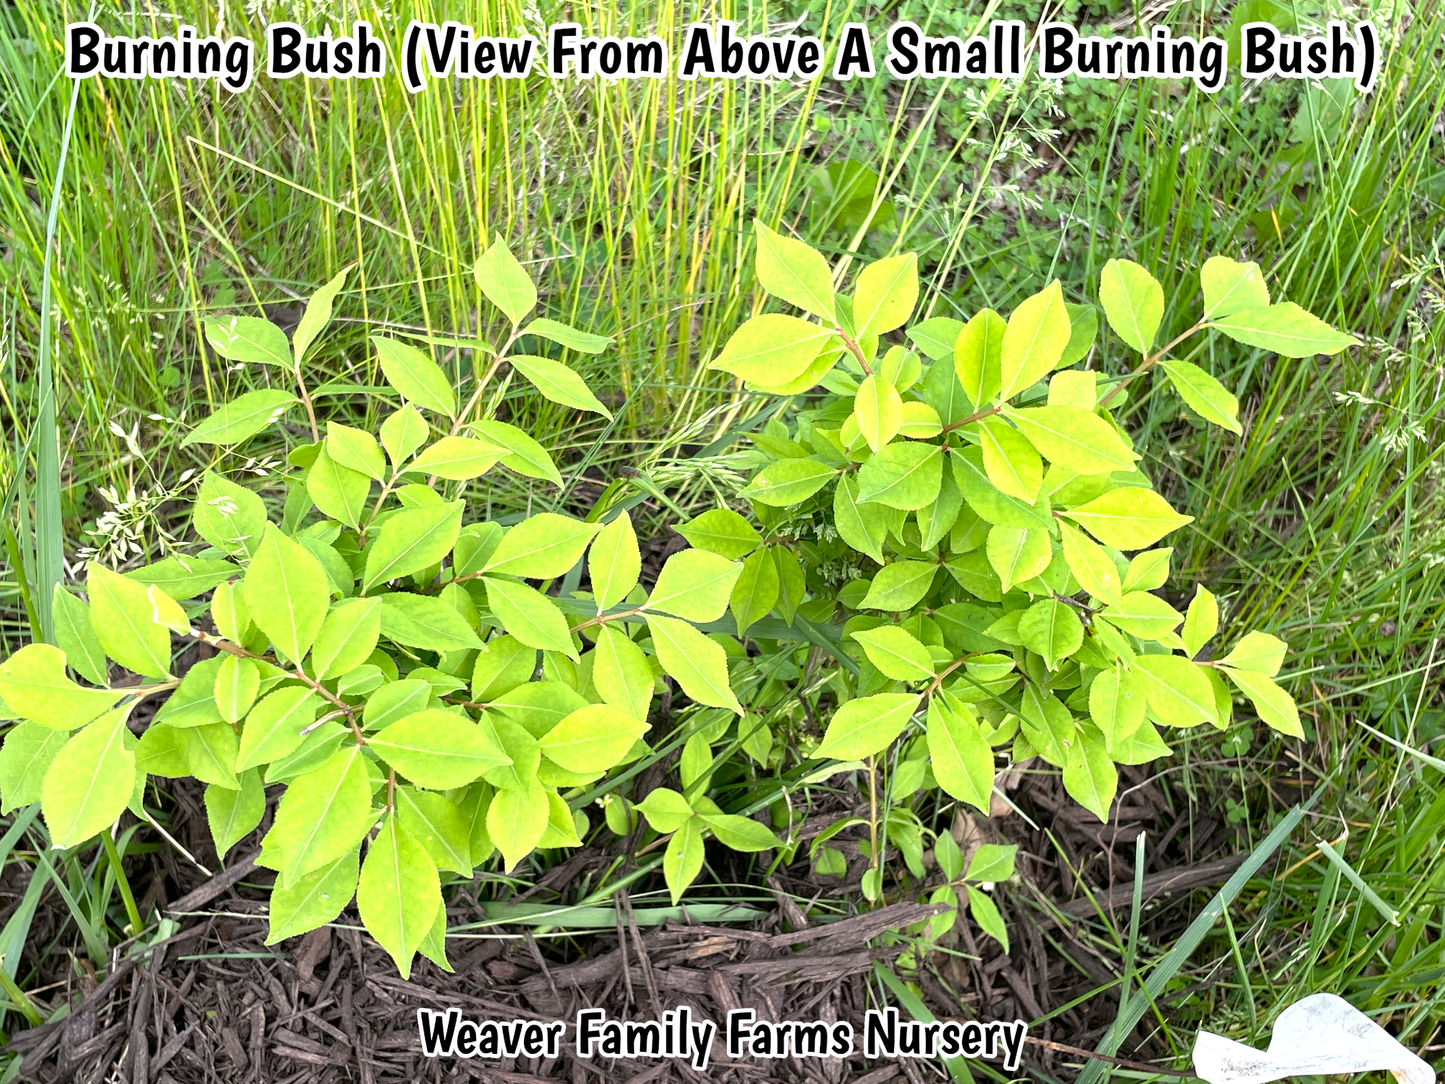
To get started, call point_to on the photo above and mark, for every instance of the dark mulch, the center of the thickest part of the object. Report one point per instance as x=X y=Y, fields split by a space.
x=213 y=1003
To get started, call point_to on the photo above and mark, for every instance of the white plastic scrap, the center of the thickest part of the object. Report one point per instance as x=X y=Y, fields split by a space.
x=1321 y=1035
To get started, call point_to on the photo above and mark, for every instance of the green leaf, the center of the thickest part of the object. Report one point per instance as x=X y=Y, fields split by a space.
x=339 y=492
x=621 y=674
x=899 y=586
x=25 y=757
x=773 y=349
x=516 y=820
x=866 y=725
x=314 y=900
x=323 y=815
x=504 y=281
x=885 y=294
x=896 y=653
x=1047 y=724
x=1201 y=622
x=123 y=616
x=438 y=825
x=920 y=421
x=211 y=754
x=740 y=833
x=1284 y=328
x=1083 y=330
x=665 y=810
x=89 y=782
x=1017 y=554
x=75 y=636
x=1090 y=564
x=316 y=316
x=426 y=622
x=458 y=458
x=395 y=701
x=961 y=759
x=992 y=863
x=530 y=616
x=860 y=526
x=698 y=664
x=233 y=814
x=275 y=728
x=794 y=272
x=903 y=475
x=695 y=584
x=502 y=666
x=1134 y=303
x=935 y=337
x=1074 y=438
x=228 y=516
x=1075 y=388
x=1144 y=615
x=1090 y=777
x=721 y=531
x=788 y=481
x=978 y=356
x=246 y=338
x=558 y=383
x=438 y=750
x=541 y=546
x=182 y=576
x=1230 y=286
x=1275 y=706
x=412 y=540
x=419 y=379
x=1148 y=571
x=591 y=739
x=526 y=457
x=1206 y=396
x=403 y=432
x=682 y=860
x=1129 y=518
x=1010 y=461
x=236 y=685
x=581 y=341
x=615 y=563
x=398 y=893
x=817 y=369
x=985 y=913
x=1034 y=340
x=756 y=591
x=1142 y=747
x=984 y=498
x=1177 y=691
x=1116 y=704
x=1258 y=652
x=287 y=593
x=1051 y=629
x=1223 y=702
x=242 y=418
x=696 y=760
x=879 y=411
x=194 y=702
x=346 y=638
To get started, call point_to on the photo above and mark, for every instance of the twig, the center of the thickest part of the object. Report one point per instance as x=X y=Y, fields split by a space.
x=1123 y=1063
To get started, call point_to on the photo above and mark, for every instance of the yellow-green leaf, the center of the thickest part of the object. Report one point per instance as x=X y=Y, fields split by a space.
x=89 y=782
x=866 y=725
x=1133 y=301
x=1034 y=340
x=795 y=272
x=1128 y=518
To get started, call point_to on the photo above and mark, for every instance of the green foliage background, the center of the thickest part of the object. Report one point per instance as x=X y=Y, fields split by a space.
x=1323 y=523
